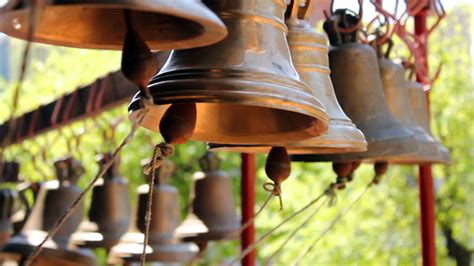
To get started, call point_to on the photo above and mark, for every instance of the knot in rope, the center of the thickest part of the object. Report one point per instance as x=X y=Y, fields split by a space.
x=275 y=190
x=330 y=192
x=160 y=152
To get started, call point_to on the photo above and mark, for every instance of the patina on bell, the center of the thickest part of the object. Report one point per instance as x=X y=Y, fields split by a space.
x=358 y=86
x=422 y=116
x=309 y=52
x=162 y=245
x=245 y=87
x=100 y=24
x=212 y=215
x=110 y=211
x=54 y=198
x=398 y=99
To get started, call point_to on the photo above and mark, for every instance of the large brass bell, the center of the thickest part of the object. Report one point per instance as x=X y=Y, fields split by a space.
x=212 y=205
x=109 y=213
x=309 y=54
x=101 y=24
x=54 y=199
x=422 y=116
x=162 y=245
x=398 y=99
x=245 y=87
x=356 y=78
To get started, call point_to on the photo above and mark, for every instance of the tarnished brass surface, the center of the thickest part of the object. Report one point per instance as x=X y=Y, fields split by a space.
x=358 y=86
x=398 y=99
x=213 y=215
x=100 y=24
x=245 y=87
x=309 y=52
x=422 y=116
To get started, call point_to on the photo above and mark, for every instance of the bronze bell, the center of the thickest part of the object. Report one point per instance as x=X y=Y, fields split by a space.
x=101 y=24
x=162 y=245
x=358 y=86
x=245 y=87
x=212 y=215
x=54 y=198
x=309 y=54
x=109 y=213
x=398 y=99
x=420 y=108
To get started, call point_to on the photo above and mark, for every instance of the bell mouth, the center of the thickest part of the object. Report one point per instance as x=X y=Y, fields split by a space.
x=102 y=25
x=342 y=137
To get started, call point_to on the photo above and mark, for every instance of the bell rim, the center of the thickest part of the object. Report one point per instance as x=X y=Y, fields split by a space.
x=186 y=254
x=212 y=28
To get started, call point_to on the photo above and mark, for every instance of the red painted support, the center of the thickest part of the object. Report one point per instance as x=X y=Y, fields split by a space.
x=248 y=202
x=427 y=204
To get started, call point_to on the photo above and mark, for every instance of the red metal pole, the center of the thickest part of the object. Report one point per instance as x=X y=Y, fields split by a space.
x=425 y=182
x=248 y=202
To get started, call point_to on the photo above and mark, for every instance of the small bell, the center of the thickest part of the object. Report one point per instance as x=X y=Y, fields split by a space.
x=245 y=88
x=212 y=215
x=109 y=213
x=101 y=24
x=162 y=245
x=309 y=53
x=54 y=198
x=420 y=108
x=356 y=78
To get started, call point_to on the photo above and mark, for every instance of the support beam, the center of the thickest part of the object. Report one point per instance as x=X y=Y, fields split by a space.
x=427 y=198
x=248 y=202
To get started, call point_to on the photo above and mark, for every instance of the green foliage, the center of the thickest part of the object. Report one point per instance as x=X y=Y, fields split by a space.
x=383 y=227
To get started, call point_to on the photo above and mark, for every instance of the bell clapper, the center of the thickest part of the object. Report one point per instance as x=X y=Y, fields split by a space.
x=380 y=169
x=355 y=165
x=278 y=169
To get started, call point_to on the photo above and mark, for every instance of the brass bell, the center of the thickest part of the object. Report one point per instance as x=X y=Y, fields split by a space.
x=212 y=215
x=309 y=52
x=101 y=24
x=109 y=213
x=54 y=198
x=398 y=99
x=245 y=87
x=422 y=116
x=356 y=78
x=162 y=245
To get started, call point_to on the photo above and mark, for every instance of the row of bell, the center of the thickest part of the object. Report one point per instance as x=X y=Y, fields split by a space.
x=212 y=217
x=247 y=92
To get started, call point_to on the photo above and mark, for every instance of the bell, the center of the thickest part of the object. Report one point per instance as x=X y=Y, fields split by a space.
x=8 y=197
x=309 y=54
x=54 y=199
x=101 y=24
x=358 y=86
x=398 y=99
x=212 y=215
x=245 y=87
x=162 y=245
x=420 y=108
x=109 y=213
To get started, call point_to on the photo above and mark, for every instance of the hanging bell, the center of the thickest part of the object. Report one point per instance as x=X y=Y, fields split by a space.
x=309 y=52
x=398 y=99
x=109 y=213
x=101 y=24
x=8 y=196
x=245 y=87
x=54 y=199
x=212 y=215
x=420 y=108
x=162 y=245
x=356 y=78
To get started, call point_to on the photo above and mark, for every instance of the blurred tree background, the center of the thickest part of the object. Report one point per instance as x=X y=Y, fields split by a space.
x=383 y=228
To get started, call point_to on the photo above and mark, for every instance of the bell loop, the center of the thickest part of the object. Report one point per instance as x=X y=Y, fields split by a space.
x=209 y=162
x=275 y=190
x=68 y=170
x=158 y=165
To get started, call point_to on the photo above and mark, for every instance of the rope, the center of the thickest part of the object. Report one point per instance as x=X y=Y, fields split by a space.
x=160 y=152
x=31 y=258
x=250 y=248
x=338 y=217
x=275 y=190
